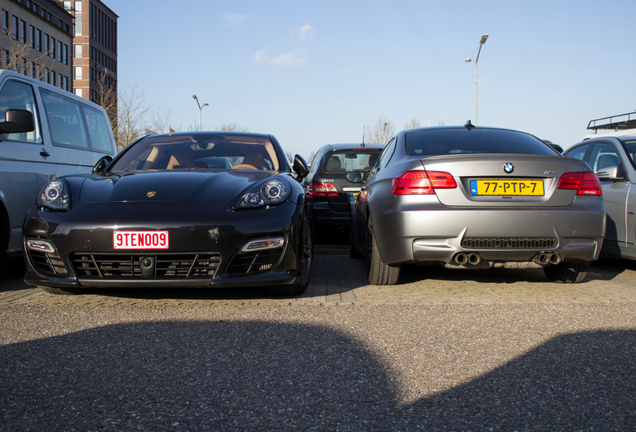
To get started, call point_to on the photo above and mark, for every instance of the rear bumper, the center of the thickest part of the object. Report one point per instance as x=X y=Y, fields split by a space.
x=437 y=236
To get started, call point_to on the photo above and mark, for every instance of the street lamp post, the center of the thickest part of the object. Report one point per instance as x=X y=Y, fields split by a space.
x=468 y=60
x=200 y=108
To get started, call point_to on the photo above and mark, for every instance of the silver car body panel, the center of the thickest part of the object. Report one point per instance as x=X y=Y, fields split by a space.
x=619 y=194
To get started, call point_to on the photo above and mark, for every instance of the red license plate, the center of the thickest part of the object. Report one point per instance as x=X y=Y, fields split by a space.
x=140 y=240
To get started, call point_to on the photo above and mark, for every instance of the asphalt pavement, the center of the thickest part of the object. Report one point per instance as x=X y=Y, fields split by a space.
x=456 y=350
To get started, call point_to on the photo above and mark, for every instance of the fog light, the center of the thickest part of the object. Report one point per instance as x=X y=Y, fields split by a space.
x=40 y=245
x=262 y=244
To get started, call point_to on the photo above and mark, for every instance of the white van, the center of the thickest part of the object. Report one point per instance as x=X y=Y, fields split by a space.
x=45 y=133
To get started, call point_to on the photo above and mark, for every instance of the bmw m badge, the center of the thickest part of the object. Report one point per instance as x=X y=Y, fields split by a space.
x=508 y=167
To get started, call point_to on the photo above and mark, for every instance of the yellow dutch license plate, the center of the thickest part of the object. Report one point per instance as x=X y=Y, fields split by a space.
x=506 y=187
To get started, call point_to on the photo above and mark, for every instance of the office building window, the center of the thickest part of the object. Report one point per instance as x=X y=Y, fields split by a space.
x=23 y=33
x=66 y=83
x=65 y=60
x=79 y=92
x=60 y=54
x=78 y=73
x=78 y=51
x=5 y=22
x=32 y=36
x=46 y=43
x=52 y=47
x=14 y=28
x=78 y=18
x=38 y=40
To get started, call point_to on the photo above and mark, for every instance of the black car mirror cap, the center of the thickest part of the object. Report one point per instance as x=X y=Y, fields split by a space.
x=16 y=121
x=300 y=166
x=101 y=164
x=356 y=176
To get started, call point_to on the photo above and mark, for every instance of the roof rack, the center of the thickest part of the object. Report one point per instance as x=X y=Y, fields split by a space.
x=616 y=122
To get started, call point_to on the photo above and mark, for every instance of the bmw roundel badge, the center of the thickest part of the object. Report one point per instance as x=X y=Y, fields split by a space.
x=508 y=167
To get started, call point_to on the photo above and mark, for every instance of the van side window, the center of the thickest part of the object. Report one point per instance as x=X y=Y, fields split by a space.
x=65 y=121
x=17 y=95
x=98 y=130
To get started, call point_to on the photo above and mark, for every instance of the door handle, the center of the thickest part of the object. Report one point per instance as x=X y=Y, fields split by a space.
x=44 y=153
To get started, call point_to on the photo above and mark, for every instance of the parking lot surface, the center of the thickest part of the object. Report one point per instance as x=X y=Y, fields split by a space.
x=443 y=350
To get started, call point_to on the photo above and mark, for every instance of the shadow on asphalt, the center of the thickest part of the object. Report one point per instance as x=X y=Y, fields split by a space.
x=267 y=376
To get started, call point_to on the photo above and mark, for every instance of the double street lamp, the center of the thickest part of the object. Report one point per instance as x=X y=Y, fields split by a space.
x=468 y=60
x=200 y=108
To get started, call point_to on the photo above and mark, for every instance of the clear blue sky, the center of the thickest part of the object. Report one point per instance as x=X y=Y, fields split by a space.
x=316 y=72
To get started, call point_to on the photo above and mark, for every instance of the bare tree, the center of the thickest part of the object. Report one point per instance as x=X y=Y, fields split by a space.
x=130 y=119
x=412 y=124
x=312 y=155
x=381 y=132
x=20 y=57
x=107 y=97
x=233 y=127
x=160 y=122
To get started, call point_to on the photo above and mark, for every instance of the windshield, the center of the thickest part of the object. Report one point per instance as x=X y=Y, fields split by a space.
x=199 y=152
x=435 y=142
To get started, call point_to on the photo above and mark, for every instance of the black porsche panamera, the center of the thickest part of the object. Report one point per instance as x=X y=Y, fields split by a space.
x=199 y=209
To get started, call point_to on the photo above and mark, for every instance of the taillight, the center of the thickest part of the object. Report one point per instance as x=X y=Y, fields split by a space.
x=323 y=189
x=422 y=182
x=585 y=183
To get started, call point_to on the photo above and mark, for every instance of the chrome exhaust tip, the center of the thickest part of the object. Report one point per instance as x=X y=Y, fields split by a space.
x=460 y=258
x=474 y=259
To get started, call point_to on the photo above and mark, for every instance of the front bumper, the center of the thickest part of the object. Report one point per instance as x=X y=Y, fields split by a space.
x=205 y=246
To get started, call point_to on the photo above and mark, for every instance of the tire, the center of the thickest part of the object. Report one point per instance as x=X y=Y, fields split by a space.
x=379 y=272
x=567 y=272
x=305 y=263
x=63 y=291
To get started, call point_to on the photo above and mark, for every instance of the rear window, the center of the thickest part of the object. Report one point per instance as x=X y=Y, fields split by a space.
x=350 y=160
x=462 y=141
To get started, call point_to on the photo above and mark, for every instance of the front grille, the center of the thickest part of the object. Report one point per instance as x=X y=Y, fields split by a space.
x=49 y=264
x=166 y=265
x=255 y=261
x=509 y=242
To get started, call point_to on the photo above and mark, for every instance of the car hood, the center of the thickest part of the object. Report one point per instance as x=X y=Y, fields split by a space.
x=168 y=186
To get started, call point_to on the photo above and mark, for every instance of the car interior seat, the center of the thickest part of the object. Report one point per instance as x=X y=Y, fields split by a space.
x=333 y=164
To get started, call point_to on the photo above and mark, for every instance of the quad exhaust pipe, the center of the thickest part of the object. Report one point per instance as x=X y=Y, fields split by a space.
x=543 y=259
x=547 y=258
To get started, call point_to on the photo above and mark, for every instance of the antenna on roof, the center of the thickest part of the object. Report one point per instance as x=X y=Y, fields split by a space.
x=469 y=125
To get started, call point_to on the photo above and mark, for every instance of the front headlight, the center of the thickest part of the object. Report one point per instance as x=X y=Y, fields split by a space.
x=55 y=196
x=271 y=192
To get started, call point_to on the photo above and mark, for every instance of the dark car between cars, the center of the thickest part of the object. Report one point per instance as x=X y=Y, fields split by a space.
x=326 y=186
x=177 y=210
x=477 y=197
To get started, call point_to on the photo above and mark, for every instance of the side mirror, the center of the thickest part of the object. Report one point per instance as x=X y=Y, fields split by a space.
x=101 y=164
x=611 y=173
x=300 y=166
x=16 y=121
x=355 y=176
